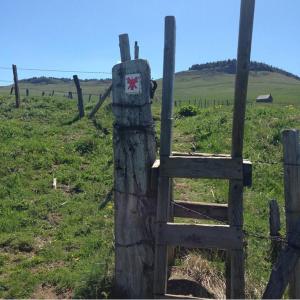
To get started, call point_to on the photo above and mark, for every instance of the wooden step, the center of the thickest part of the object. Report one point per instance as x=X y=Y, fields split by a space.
x=217 y=167
x=200 y=236
x=201 y=210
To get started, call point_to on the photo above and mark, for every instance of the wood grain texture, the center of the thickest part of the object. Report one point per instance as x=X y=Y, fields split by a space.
x=291 y=154
x=235 y=274
x=199 y=210
x=80 y=98
x=16 y=85
x=202 y=167
x=135 y=204
x=163 y=204
x=201 y=236
x=100 y=102
x=124 y=47
x=274 y=218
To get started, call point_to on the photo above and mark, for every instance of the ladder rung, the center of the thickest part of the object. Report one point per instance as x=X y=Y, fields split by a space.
x=205 y=167
x=201 y=236
x=201 y=210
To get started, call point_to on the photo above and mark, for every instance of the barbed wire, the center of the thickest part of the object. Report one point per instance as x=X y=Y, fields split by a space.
x=56 y=70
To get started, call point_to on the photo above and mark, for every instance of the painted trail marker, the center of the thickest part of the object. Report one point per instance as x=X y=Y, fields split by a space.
x=133 y=84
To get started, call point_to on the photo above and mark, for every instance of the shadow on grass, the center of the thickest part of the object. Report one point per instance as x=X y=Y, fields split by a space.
x=99 y=126
x=70 y=122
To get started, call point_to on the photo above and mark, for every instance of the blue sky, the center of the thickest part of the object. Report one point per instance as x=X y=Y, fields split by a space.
x=83 y=34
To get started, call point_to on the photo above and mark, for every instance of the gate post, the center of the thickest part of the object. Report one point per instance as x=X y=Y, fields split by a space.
x=291 y=154
x=134 y=154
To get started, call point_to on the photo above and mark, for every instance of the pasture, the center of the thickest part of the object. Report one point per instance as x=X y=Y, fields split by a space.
x=59 y=242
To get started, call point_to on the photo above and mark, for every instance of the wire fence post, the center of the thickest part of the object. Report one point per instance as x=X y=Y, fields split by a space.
x=291 y=152
x=16 y=86
x=79 y=94
x=274 y=222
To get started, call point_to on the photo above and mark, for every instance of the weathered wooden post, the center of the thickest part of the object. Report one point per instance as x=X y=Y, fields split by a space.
x=11 y=90
x=43 y=93
x=274 y=222
x=52 y=93
x=90 y=97
x=235 y=264
x=136 y=50
x=17 y=91
x=291 y=153
x=79 y=94
x=134 y=154
x=27 y=92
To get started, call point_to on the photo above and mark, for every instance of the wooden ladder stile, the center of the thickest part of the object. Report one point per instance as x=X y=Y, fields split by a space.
x=232 y=167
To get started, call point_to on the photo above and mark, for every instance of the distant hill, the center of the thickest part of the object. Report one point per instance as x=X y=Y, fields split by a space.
x=229 y=67
x=55 y=80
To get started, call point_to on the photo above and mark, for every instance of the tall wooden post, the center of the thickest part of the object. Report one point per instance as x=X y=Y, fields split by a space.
x=291 y=153
x=17 y=91
x=163 y=211
x=235 y=267
x=27 y=92
x=80 y=98
x=134 y=154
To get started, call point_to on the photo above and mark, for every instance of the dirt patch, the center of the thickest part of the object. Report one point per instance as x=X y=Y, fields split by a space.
x=46 y=291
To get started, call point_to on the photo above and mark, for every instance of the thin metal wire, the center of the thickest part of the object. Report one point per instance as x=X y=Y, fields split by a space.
x=57 y=70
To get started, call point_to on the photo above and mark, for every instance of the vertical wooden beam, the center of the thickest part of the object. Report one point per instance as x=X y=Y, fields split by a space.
x=161 y=265
x=135 y=203
x=124 y=47
x=235 y=266
x=136 y=50
x=27 y=92
x=17 y=91
x=80 y=98
x=291 y=154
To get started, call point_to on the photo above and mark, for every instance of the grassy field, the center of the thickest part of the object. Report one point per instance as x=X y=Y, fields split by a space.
x=59 y=243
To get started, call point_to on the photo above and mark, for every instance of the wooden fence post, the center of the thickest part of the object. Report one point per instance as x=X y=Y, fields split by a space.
x=136 y=50
x=274 y=222
x=27 y=92
x=235 y=263
x=11 y=90
x=52 y=93
x=291 y=152
x=100 y=102
x=134 y=155
x=17 y=91
x=80 y=99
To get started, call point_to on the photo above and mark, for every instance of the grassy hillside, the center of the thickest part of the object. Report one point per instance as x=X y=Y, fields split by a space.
x=190 y=85
x=59 y=243
x=214 y=85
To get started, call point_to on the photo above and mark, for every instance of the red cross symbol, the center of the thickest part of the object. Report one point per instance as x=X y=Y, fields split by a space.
x=132 y=83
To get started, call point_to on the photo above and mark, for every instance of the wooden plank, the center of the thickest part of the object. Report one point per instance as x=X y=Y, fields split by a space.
x=291 y=153
x=16 y=85
x=135 y=205
x=284 y=267
x=163 y=203
x=202 y=167
x=235 y=265
x=80 y=98
x=124 y=47
x=100 y=102
x=201 y=210
x=201 y=236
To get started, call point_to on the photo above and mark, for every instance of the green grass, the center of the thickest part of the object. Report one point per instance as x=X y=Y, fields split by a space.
x=62 y=238
x=57 y=237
